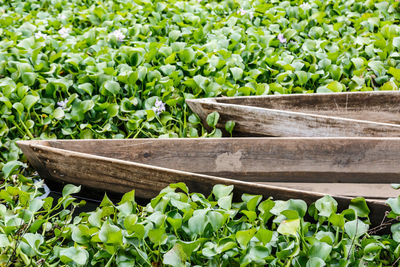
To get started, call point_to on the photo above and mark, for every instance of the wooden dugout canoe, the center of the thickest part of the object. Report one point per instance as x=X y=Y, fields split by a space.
x=370 y=114
x=252 y=165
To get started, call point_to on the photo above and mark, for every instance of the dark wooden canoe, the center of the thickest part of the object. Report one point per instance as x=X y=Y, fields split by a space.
x=356 y=166
x=369 y=114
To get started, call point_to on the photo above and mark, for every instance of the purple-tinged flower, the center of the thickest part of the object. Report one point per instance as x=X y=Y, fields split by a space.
x=64 y=32
x=242 y=12
x=39 y=35
x=119 y=35
x=62 y=17
x=63 y=104
x=159 y=107
x=305 y=6
x=251 y=14
x=281 y=38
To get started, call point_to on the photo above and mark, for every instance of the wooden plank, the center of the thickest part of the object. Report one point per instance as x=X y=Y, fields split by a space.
x=371 y=191
x=272 y=122
x=378 y=106
x=312 y=160
x=121 y=176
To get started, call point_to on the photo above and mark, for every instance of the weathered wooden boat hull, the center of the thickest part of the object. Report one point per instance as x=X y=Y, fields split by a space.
x=250 y=164
x=345 y=114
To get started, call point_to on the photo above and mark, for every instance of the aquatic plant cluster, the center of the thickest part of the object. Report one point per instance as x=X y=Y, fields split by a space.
x=123 y=68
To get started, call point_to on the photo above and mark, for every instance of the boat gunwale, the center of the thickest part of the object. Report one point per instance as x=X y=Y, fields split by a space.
x=367 y=138
x=288 y=96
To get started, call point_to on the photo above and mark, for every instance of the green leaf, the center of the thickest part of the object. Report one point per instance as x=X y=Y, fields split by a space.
x=187 y=55
x=302 y=77
x=81 y=234
x=395 y=186
x=315 y=262
x=298 y=205
x=359 y=205
x=395 y=229
x=216 y=219
x=389 y=86
x=243 y=237
x=335 y=86
x=110 y=234
x=212 y=119
x=396 y=42
x=58 y=113
x=265 y=208
x=194 y=119
x=337 y=220
x=95 y=218
x=289 y=227
x=229 y=125
x=320 y=250
x=225 y=202
x=326 y=206
x=18 y=107
x=181 y=186
x=75 y=255
x=128 y=197
x=237 y=73
x=157 y=235
x=355 y=228
x=31 y=244
x=113 y=87
x=70 y=189
x=251 y=201
x=377 y=67
x=197 y=223
x=201 y=81
x=11 y=166
x=29 y=78
x=176 y=256
x=4 y=242
x=394 y=204
x=87 y=88
x=264 y=235
x=220 y=190
x=358 y=62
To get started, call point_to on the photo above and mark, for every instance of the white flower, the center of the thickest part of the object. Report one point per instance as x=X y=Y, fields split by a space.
x=119 y=35
x=39 y=35
x=305 y=6
x=63 y=104
x=64 y=32
x=243 y=12
x=62 y=17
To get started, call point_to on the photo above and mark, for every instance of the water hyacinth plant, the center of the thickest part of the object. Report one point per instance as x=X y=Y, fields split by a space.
x=123 y=69
x=179 y=228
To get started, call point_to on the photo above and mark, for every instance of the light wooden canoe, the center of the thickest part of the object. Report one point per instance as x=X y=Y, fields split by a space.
x=369 y=114
x=356 y=166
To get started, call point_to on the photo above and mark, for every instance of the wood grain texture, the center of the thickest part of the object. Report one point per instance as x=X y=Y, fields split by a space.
x=312 y=160
x=121 y=176
x=371 y=191
x=272 y=122
x=348 y=114
x=378 y=106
